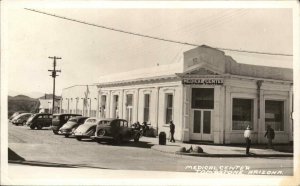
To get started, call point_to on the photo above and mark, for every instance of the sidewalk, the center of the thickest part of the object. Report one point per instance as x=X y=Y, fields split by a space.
x=217 y=150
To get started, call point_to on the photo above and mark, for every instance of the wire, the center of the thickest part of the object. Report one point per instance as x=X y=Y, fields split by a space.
x=153 y=37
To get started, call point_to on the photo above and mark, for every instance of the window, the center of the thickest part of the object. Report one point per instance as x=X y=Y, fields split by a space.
x=202 y=98
x=169 y=107
x=116 y=106
x=274 y=115
x=146 y=107
x=242 y=113
x=103 y=106
x=129 y=103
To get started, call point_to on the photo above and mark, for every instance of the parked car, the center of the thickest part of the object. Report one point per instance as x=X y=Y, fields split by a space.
x=68 y=128
x=21 y=119
x=117 y=130
x=59 y=120
x=39 y=121
x=87 y=129
x=15 y=114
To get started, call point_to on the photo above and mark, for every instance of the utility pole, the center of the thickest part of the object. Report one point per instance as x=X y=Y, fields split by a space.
x=53 y=76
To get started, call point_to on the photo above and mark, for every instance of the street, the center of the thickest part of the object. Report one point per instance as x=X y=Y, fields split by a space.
x=43 y=148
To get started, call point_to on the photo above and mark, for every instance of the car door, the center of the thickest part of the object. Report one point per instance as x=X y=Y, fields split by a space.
x=39 y=120
x=49 y=120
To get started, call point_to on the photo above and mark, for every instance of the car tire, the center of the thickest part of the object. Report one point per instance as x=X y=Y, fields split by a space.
x=55 y=132
x=118 y=139
x=98 y=140
x=24 y=123
x=101 y=132
x=78 y=138
x=136 y=138
x=67 y=135
x=39 y=127
x=32 y=127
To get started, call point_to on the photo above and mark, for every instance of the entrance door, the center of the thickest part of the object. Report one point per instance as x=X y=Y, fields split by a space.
x=201 y=125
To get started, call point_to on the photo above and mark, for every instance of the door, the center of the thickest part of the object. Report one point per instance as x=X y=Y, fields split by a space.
x=201 y=125
x=201 y=114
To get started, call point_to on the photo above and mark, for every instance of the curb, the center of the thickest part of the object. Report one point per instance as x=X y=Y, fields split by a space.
x=222 y=155
x=232 y=155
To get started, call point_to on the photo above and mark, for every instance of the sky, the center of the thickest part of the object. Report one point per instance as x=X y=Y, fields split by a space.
x=88 y=52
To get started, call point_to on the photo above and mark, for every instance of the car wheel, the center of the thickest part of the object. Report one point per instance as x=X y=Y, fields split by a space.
x=98 y=140
x=101 y=132
x=136 y=138
x=55 y=132
x=24 y=123
x=78 y=138
x=67 y=135
x=118 y=139
x=39 y=127
x=32 y=127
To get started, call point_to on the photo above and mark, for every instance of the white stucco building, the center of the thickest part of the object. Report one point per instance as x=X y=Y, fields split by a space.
x=209 y=96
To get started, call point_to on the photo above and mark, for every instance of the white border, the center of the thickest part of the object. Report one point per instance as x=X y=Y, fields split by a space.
x=157 y=178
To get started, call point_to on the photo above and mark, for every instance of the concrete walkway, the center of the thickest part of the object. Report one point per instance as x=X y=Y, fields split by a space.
x=220 y=151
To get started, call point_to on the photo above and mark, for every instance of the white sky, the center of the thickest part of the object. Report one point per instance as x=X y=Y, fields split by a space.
x=89 y=52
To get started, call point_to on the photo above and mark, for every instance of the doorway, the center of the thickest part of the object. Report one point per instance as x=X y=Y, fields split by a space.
x=202 y=112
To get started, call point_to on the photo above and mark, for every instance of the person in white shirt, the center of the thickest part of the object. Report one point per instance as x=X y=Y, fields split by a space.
x=247 y=135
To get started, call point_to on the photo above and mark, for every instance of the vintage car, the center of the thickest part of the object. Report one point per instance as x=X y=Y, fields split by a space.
x=73 y=123
x=39 y=121
x=15 y=114
x=59 y=120
x=87 y=129
x=21 y=119
x=116 y=130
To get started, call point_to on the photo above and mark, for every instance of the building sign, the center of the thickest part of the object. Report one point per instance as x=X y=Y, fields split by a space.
x=202 y=81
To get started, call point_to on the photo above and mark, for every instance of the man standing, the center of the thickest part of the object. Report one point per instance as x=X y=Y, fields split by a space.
x=172 y=131
x=270 y=135
x=247 y=135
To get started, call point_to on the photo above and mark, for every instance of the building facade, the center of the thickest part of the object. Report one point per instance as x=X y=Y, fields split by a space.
x=46 y=104
x=80 y=99
x=210 y=97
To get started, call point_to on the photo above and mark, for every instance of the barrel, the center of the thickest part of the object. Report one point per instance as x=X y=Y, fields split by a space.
x=162 y=138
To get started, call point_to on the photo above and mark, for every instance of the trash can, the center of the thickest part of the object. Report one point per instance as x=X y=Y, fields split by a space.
x=162 y=138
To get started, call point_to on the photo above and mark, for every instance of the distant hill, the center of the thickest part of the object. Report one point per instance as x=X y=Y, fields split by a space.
x=22 y=103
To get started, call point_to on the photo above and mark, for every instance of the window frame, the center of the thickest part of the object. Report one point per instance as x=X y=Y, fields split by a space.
x=283 y=117
x=244 y=95
x=166 y=106
x=144 y=107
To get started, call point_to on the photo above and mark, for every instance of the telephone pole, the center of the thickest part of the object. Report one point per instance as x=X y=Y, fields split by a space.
x=53 y=76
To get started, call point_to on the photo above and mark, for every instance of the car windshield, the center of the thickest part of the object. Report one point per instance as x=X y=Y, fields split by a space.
x=104 y=122
x=56 y=117
x=31 y=117
x=72 y=120
x=67 y=125
x=90 y=121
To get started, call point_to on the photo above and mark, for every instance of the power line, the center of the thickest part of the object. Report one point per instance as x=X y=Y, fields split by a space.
x=153 y=37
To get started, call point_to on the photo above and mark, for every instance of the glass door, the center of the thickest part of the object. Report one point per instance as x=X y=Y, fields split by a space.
x=201 y=125
x=202 y=108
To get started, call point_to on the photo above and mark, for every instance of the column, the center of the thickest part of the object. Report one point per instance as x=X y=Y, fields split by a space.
x=186 y=112
x=228 y=117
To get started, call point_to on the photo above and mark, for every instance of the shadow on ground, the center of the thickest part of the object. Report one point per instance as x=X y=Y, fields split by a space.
x=50 y=164
x=140 y=144
x=14 y=158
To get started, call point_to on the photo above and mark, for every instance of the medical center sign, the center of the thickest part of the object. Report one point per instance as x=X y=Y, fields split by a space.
x=202 y=81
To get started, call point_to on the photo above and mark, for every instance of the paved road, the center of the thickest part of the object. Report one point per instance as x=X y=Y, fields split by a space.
x=42 y=147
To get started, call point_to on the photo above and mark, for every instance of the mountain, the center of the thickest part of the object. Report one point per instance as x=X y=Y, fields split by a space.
x=22 y=103
x=30 y=94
